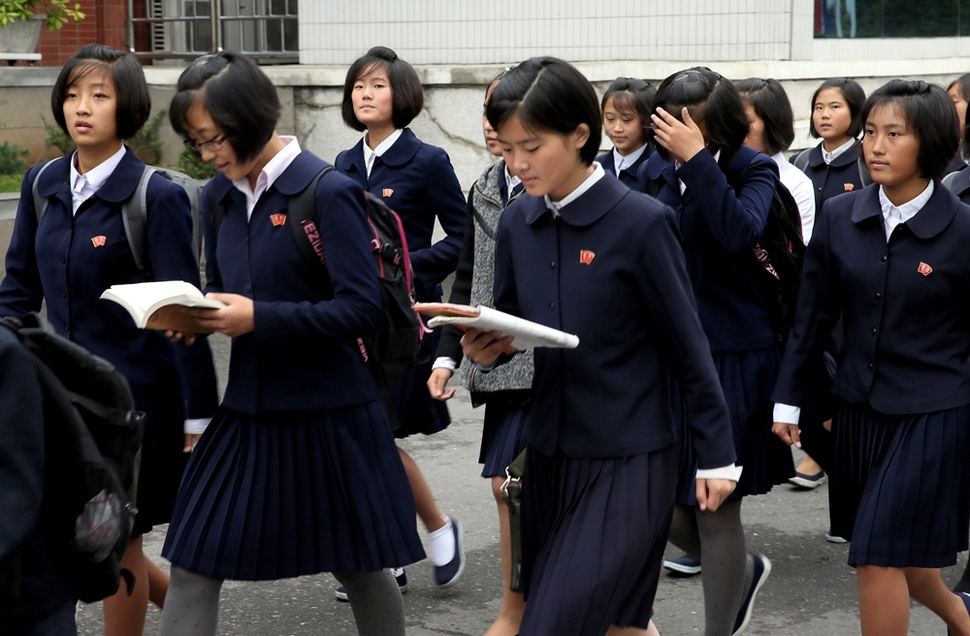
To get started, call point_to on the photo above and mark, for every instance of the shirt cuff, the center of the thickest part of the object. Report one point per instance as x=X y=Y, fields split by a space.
x=444 y=362
x=786 y=413
x=197 y=426
x=731 y=473
x=482 y=367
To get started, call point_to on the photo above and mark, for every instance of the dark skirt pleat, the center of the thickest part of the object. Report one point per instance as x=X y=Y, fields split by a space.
x=287 y=494
x=747 y=379
x=501 y=437
x=416 y=411
x=900 y=490
x=593 y=534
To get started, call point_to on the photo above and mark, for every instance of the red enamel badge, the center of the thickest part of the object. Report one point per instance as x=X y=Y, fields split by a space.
x=388 y=192
x=99 y=241
x=924 y=269
x=277 y=219
x=586 y=257
x=848 y=186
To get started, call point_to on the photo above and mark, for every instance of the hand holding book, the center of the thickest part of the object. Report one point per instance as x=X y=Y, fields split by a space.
x=525 y=333
x=162 y=305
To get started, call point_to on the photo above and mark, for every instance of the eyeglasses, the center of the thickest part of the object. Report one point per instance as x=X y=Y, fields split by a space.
x=212 y=145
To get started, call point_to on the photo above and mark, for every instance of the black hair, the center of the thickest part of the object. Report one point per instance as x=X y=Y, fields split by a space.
x=631 y=94
x=770 y=103
x=855 y=99
x=546 y=93
x=964 y=83
x=407 y=92
x=710 y=98
x=239 y=97
x=133 y=103
x=929 y=115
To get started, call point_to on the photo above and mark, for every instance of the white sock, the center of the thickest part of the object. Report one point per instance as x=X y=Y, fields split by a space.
x=442 y=544
x=397 y=572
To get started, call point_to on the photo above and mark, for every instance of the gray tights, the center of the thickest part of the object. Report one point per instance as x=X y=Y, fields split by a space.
x=192 y=603
x=727 y=568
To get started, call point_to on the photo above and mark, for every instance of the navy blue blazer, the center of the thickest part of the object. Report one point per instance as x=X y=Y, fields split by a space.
x=610 y=270
x=60 y=263
x=838 y=177
x=721 y=215
x=302 y=354
x=906 y=331
x=629 y=174
x=42 y=589
x=418 y=182
x=961 y=184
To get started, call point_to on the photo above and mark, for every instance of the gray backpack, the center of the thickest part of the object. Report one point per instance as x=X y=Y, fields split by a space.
x=135 y=212
x=801 y=161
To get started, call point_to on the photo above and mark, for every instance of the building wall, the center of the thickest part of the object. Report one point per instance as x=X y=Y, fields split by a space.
x=104 y=24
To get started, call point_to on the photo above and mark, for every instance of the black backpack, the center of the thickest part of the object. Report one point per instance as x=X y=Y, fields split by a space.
x=92 y=442
x=396 y=347
x=776 y=263
x=134 y=212
x=802 y=159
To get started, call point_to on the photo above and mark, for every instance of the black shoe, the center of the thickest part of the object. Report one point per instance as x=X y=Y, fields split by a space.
x=685 y=564
x=447 y=575
x=762 y=568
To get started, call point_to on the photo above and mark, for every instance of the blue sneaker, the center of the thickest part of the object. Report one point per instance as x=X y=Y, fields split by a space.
x=808 y=482
x=447 y=575
x=762 y=568
x=685 y=564
x=399 y=575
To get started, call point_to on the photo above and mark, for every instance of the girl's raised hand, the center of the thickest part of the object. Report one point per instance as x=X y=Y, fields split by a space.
x=236 y=319
x=682 y=139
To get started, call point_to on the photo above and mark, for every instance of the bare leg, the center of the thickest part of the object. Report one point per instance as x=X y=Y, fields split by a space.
x=809 y=466
x=927 y=588
x=157 y=583
x=124 y=615
x=424 y=502
x=883 y=601
x=513 y=605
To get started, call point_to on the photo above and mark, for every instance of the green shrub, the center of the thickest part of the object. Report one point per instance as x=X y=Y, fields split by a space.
x=12 y=158
x=57 y=138
x=146 y=139
x=11 y=182
x=192 y=165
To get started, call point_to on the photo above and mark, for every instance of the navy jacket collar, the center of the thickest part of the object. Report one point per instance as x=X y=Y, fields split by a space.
x=590 y=207
x=399 y=154
x=117 y=188
x=961 y=182
x=928 y=222
x=657 y=167
x=849 y=156
x=294 y=179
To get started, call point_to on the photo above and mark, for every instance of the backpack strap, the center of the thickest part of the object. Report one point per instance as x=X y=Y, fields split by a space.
x=300 y=215
x=801 y=159
x=948 y=180
x=40 y=203
x=134 y=214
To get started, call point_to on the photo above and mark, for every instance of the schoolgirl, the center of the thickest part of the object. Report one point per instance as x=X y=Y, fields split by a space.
x=959 y=92
x=297 y=473
x=892 y=261
x=505 y=392
x=959 y=182
x=626 y=114
x=78 y=248
x=722 y=191
x=835 y=165
x=382 y=95
x=584 y=253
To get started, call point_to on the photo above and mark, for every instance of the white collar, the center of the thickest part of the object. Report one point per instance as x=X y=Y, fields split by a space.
x=269 y=174
x=905 y=211
x=557 y=206
x=829 y=157
x=510 y=181
x=84 y=186
x=384 y=146
x=621 y=162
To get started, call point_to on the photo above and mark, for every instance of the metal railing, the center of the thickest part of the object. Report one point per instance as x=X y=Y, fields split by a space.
x=265 y=30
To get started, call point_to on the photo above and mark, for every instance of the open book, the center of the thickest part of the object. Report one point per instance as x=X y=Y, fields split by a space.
x=527 y=334
x=158 y=305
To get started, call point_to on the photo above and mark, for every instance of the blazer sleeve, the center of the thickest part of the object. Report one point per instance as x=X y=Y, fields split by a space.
x=21 y=290
x=737 y=218
x=442 y=195
x=172 y=258
x=817 y=311
x=461 y=290
x=662 y=276
x=355 y=309
x=22 y=450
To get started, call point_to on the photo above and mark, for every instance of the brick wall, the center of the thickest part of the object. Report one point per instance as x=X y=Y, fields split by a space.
x=104 y=24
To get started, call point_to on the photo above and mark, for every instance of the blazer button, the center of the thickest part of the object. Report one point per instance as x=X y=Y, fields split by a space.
x=871 y=366
x=63 y=261
x=63 y=294
x=552 y=305
x=873 y=331
x=552 y=265
x=885 y=258
x=878 y=295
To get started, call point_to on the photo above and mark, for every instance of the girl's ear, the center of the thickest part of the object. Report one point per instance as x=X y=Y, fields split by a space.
x=581 y=135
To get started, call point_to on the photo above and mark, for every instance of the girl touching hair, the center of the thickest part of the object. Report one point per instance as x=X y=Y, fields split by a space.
x=626 y=108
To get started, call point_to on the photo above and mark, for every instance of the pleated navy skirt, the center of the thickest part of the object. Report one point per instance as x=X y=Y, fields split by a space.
x=900 y=490
x=288 y=494
x=593 y=536
x=501 y=436
x=747 y=378
x=416 y=411
x=162 y=464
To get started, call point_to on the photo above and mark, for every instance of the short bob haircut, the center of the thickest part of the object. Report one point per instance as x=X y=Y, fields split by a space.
x=548 y=94
x=963 y=82
x=406 y=90
x=632 y=95
x=770 y=103
x=929 y=115
x=133 y=103
x=710 y=98
x=854 y=97
x=238 y=96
